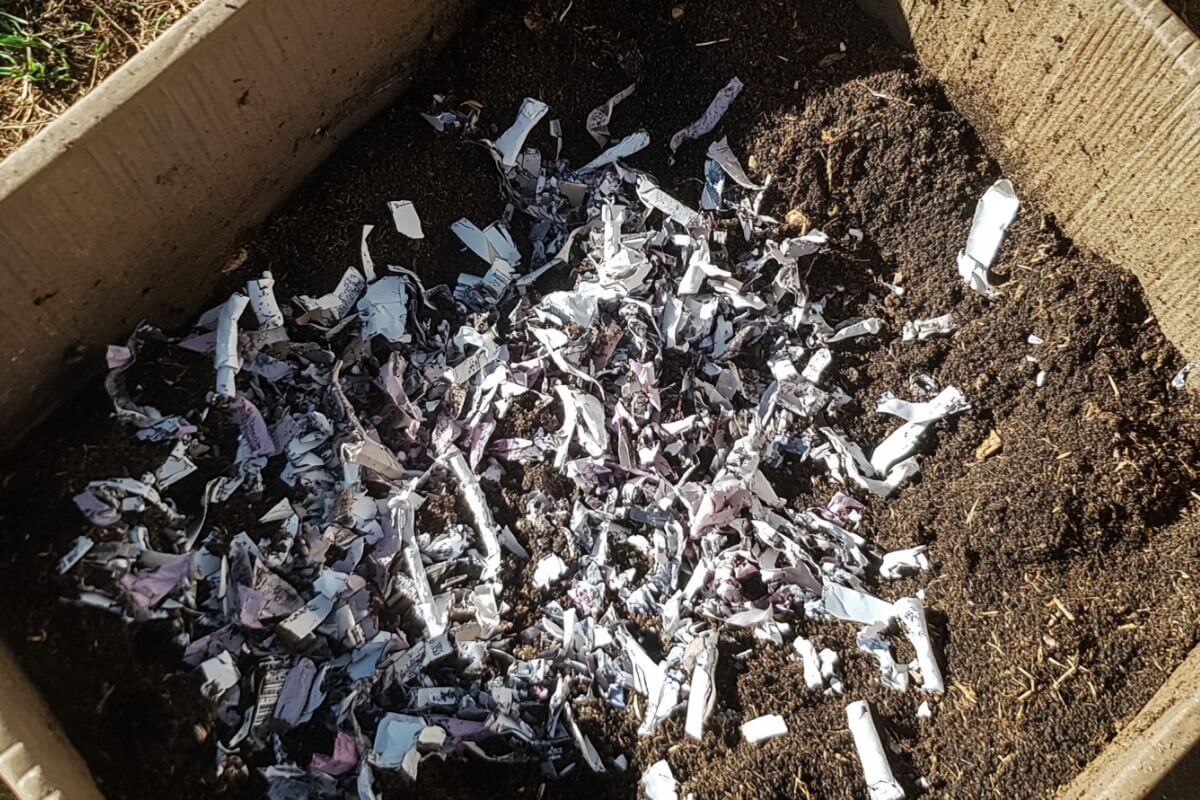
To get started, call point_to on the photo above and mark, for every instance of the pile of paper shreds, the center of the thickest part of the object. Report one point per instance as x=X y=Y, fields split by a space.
x=364 y=400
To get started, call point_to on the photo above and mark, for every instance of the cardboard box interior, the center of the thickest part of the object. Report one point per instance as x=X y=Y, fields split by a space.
x=1093 y=107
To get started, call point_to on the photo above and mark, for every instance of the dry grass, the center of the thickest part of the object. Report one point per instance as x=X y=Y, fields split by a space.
x=52 y=52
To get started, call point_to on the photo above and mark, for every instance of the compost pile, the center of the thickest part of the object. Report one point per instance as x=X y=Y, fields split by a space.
x=685 y=358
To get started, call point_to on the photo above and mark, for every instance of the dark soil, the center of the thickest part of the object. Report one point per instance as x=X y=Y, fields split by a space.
x=1063 y=589
x=68 y=48
x=1188 y=11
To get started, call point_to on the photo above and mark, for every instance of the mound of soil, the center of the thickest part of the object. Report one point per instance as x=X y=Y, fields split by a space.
x=1063 y=590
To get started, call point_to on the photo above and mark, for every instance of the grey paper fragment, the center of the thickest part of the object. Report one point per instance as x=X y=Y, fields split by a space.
x=384 y=309
x=711 y=116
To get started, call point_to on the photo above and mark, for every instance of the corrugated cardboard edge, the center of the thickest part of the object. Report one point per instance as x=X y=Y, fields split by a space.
x=123 y=208
x=1093 y=107
x=36 y=760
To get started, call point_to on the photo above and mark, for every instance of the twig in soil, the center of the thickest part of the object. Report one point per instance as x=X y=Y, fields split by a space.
x=1070 y=670
x=799 y=783
x=971 y=514
x=106 y=693
x=1066 y=612
x=883 y=96
x=117 y=25
x=714 y=41
x=1113 y=384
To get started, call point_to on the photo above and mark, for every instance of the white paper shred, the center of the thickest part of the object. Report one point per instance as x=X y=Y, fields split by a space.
x=177 y=467
x=406 y=219
x=877 y=772
x=658 y=783
x=364 y=251
x=1180 y=380
x=512 y=140
x=830 y=661
x=263 y=303
x=481 y=512
x=812 y=664
x=994 y=213
x=227 y=360
x=623 y=149
x=866 y=327
x=897 y=563
x=219 y=674
x=550 y=569
x=918 y=418
x=922 y=329
x=720 y=152
x=855 y=606
x=333 y=307
x=703 y=692
x=760 y=729
x=490 y=244
x=911 y=613
x=711 y=116
x=599 y=117
x=870 y=640
x=82 y=546
x=656 y=198
x=395 y=738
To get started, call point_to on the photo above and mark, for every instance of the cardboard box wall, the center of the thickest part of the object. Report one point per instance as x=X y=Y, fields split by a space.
x=132 y=201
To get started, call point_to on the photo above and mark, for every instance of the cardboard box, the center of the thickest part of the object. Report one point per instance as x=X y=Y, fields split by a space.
x=133 y=201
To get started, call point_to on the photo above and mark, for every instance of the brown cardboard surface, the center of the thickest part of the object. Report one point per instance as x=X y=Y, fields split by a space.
x=1093 y=107
x=125 y=207
x=36 y=760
